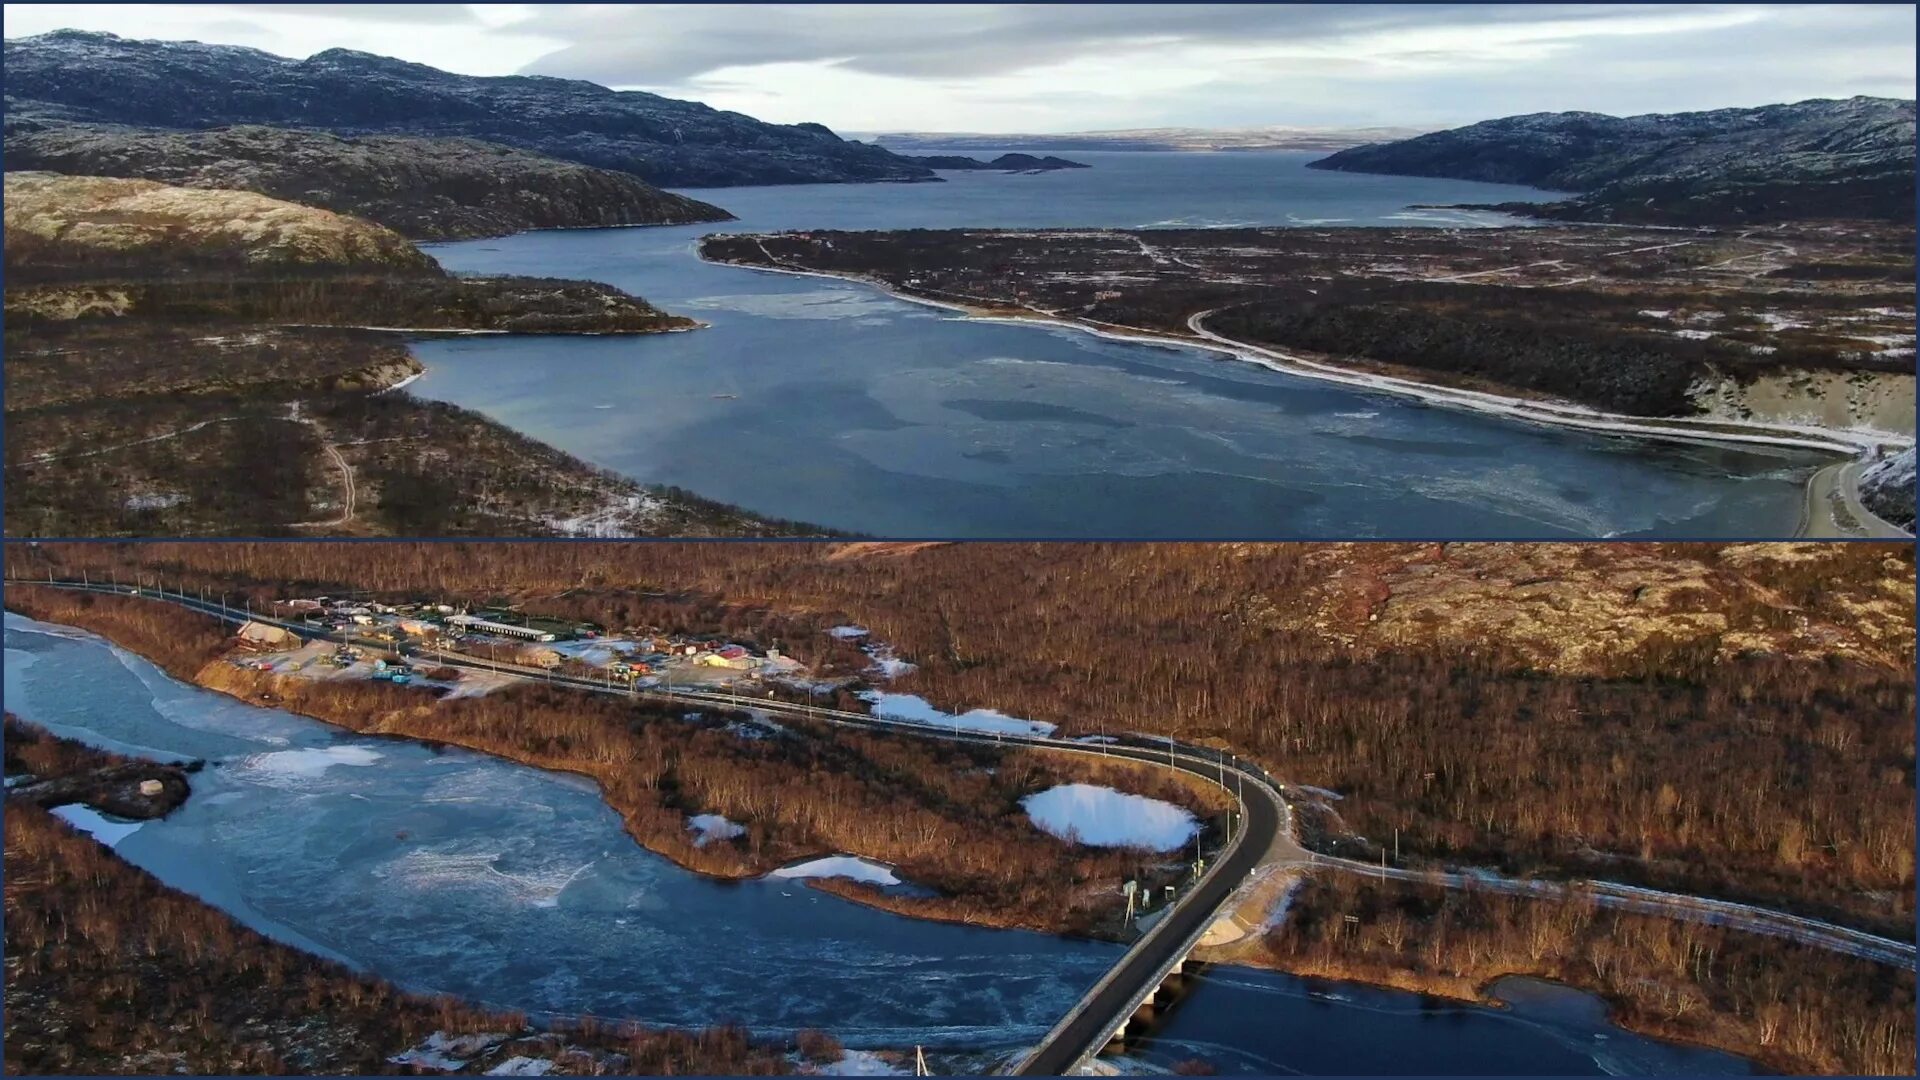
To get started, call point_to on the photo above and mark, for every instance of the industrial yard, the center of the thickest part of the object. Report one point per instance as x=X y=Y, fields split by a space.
x=397 y=643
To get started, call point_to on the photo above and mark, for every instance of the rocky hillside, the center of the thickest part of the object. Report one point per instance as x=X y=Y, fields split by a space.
x=90 y=246
x=1813 y=159
x=102 y=78
x=1887 y=488
x=85 y=225
x=424 y=188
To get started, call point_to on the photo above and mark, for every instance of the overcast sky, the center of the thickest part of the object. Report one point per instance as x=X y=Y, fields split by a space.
x=1025 y=68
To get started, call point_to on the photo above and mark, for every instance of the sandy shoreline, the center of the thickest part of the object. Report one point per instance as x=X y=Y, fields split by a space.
x=1856 y=447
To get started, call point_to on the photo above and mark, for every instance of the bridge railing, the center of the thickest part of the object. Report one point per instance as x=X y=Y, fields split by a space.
x=1151 y=937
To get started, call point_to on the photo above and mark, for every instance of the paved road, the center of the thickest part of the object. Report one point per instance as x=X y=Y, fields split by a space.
x=1113 y=1000
x=1746 y=917
x=1822 y=519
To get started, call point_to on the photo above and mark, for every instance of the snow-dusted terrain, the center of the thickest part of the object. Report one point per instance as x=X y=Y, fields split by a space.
x=841 y=866
x=1886 y=487
x=711 y=827
x=1102 y=817
x=914 y=708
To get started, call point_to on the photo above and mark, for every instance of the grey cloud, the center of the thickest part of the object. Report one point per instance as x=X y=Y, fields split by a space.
x=663 y=45
x=427 y=14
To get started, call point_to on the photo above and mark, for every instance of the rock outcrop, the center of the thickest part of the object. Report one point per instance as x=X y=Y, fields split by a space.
x=71 y=75
x=86 y=225
x=1886 y=487
x=1813 y=159
x=424 y=188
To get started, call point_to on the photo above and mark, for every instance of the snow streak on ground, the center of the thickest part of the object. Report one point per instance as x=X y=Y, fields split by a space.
x=861 y=1063
x=914 y=708
x=1102 y=817
x=844 y=866
x=522 y=1066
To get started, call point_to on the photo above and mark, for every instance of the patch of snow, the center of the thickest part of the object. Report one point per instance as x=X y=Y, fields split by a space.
x=1656 y=313
x=1099 y=816
x=713 y=827
x=861 y=1063
x=155 y=502
x=1773 y=320
x=1320 y=791
x=842 y=866
x=619 y=517
x=845 y=632
x=914 y=709
x=888 y=666
x=439 y=1050
x=520 y=1065
x=109 y=831
x=1096 y=739
x=1695 y=335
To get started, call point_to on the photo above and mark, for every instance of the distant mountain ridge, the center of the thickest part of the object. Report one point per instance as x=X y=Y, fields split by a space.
x=1851 y=158
x=80 y=76
x=1172 y=138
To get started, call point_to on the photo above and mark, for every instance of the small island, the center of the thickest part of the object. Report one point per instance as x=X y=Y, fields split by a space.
x=1012 y=163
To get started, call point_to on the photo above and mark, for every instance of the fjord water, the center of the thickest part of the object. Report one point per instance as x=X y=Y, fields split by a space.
x=833 y=403
x=449 y=871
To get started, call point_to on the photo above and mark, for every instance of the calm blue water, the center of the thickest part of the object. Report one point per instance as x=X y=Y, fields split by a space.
x=454 y=872
x=1262 y=1022
x=830 y=402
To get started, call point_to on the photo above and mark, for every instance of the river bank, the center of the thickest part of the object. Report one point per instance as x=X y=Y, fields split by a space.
x=1857 y=445
x=1791 y=1008
x=73 y=950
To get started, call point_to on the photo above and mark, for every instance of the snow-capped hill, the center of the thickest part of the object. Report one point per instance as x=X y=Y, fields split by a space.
x=102 y=78
x=1851 y=158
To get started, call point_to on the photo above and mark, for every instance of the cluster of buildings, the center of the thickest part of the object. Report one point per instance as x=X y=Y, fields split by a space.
x=545 y=643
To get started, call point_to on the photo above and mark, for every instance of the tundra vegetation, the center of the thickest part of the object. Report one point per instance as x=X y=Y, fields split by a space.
x=422 y=188
x=110 y=971
x=1793 y=1008
x=188 y=361
x=1628 y=320
x=1726 y=720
